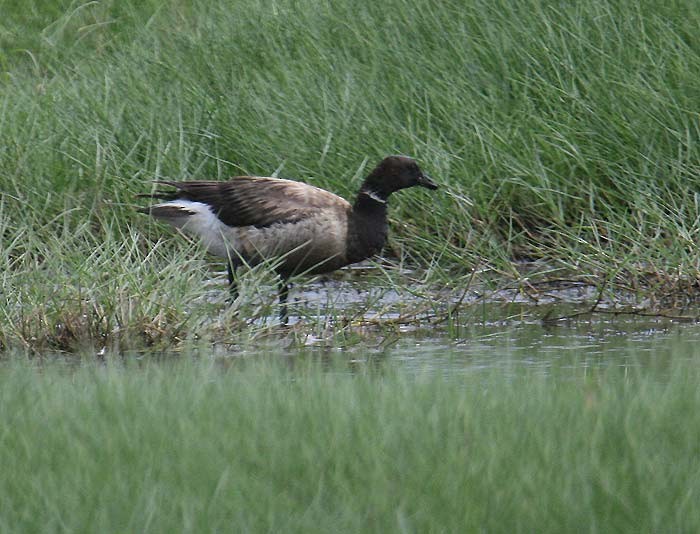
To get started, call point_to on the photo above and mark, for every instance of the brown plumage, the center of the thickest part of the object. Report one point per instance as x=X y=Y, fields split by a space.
x=304 y=228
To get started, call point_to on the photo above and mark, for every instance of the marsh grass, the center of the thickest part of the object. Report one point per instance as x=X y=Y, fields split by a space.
x=297 y=445
x=567 y=133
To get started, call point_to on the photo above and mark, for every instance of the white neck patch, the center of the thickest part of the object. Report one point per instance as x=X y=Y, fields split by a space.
x=374 y=196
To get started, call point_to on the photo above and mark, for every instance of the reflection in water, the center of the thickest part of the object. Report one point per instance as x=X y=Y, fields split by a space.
x=515 y=346
x=573 y=350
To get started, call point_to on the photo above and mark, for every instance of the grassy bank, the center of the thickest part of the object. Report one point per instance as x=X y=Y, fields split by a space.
x=567 y=133
x=256 y=446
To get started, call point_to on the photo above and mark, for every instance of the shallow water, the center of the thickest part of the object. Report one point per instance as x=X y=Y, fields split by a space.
x=571 y=349
x=504 y=330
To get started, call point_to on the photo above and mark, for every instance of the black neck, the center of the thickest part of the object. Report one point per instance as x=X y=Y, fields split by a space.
x=367 y=228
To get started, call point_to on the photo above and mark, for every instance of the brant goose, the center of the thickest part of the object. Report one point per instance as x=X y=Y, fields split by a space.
x=308 y=230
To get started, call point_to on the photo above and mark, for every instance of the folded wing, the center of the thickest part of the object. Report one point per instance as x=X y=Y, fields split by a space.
x=255 y=201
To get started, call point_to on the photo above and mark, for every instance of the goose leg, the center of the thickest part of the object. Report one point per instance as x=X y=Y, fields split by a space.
x=232 y=284
x=284 y=294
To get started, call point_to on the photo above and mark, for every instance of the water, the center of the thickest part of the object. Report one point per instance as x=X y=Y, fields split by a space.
x=570 y=349
x=504 y=331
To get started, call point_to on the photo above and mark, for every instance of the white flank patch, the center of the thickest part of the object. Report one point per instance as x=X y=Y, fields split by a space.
x=199 y=220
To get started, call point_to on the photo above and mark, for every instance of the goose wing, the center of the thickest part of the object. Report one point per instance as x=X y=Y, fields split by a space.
x=255 y=201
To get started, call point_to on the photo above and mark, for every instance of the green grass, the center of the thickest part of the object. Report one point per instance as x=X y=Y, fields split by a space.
x=560 y=132
x=254 y=445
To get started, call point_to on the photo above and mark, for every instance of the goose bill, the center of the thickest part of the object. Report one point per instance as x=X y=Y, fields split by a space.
x=425 y=181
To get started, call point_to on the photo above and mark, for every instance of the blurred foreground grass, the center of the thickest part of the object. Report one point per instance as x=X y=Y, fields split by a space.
x=270 y=444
